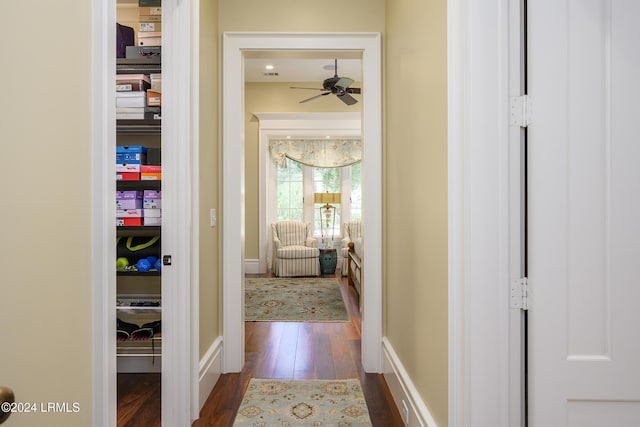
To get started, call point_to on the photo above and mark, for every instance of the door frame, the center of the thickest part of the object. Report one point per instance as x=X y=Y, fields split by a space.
x=233 y=114
x=485 y=213
x=180 y=351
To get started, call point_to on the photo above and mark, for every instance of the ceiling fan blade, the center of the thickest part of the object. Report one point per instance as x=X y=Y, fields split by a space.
x=347 y=99
x=314 y=97
x=354 y=90
x=344 y=82
x=309 y=88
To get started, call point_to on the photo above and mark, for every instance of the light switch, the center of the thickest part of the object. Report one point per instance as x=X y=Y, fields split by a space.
x=212 y=217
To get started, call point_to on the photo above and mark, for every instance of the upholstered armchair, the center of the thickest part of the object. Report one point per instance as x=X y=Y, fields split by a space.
x=351 y=231
x=295 y=251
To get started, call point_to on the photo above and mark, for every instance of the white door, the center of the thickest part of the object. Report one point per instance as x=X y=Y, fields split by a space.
x=584 y=213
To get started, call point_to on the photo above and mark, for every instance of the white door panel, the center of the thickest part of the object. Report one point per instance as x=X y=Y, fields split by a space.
x=584 y=213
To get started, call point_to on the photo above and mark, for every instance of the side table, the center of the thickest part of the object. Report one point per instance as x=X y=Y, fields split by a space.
x=328 y=261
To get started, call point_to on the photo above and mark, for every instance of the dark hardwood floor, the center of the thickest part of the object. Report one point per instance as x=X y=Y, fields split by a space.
x=282 y=350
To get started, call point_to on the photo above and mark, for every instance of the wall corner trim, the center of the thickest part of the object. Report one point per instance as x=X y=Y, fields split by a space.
x=210 y=370
x=402 y=388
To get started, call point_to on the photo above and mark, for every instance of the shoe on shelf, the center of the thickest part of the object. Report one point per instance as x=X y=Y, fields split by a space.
x=125 y=329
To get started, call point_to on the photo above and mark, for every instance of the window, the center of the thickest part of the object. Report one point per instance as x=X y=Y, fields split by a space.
x=290 y=192
x=356 y=191
x=297 y=183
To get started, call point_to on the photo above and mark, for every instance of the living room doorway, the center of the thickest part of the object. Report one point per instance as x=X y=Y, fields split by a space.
x=236 y=47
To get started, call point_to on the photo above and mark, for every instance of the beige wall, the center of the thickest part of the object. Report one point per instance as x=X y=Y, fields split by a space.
x=45 y=220
x=45 y=134
x=415 y=235
x=288 y=15
x=273 y=97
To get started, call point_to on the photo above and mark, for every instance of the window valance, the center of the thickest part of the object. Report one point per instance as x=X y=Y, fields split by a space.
x=324 y=153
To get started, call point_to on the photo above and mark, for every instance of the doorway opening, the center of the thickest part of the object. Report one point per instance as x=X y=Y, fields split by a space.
x=236 y=47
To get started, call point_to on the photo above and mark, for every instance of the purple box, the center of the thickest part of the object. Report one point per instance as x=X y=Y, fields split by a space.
x=152 y=194
x=120 y=195
x=152 y=203
x=128 y=199
x=128 y=203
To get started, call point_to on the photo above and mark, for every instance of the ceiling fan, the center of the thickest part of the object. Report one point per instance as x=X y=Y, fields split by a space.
x=336 y=85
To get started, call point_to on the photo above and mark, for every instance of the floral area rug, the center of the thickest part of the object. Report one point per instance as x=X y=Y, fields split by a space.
x=319 y=403
x=294 y=300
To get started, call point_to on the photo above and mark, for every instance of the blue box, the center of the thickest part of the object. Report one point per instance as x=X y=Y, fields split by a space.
x=129 y=158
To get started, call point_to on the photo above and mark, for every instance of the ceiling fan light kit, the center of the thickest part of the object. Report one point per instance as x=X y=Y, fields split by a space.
x=336 y=85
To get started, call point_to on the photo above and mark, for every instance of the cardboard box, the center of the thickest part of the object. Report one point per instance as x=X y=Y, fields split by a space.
x=132 y=82
x=129 y=213
x=129 y=204
x=154 y=98
x=151 y=194
x=145 y=27
x=152 y=221
x=149 y=7
x=152 y=213
x=150 y=39
x=152 y=203
x=131 y=99
x=149 y=18
x=151 y=168
x=129 y=199
x=149 y=52
x=129 y=158
x=129 y=194
x=151 y=176
x=127 y=176
x=156 y=80
x=129 y=222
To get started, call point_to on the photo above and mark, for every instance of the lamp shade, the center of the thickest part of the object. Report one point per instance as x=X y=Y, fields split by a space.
x=327 y=198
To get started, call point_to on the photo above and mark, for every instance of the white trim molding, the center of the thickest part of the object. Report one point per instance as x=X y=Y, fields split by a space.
x=484 y=379
x=404 y=391
x=254 y=266
x=104 y=402
x=235 y=44
x=180 y=217
x=210 y=369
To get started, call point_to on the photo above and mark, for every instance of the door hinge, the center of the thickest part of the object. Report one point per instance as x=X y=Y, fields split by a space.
x=520 y=294
x=520 y=107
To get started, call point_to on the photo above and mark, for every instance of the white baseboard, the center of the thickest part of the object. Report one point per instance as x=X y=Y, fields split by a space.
x=403 y=391
x=252 y=266
x=210 y=370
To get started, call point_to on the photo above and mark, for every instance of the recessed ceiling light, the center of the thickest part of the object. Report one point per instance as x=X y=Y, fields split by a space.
x=268 y=67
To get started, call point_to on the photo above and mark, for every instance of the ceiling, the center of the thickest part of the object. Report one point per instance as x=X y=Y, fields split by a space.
x=301 y=66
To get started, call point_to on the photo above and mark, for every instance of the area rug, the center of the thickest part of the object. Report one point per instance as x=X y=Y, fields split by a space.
x=294 y=300
x=318 y=403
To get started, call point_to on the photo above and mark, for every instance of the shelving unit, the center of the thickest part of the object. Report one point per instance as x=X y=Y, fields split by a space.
x=138 y=287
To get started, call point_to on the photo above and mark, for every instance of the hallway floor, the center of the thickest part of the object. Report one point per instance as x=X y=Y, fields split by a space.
x=279 y=350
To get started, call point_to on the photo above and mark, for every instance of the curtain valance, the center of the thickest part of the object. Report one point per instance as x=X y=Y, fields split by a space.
x=324 y=153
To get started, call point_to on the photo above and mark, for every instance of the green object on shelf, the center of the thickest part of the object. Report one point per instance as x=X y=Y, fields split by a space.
x=121 y=263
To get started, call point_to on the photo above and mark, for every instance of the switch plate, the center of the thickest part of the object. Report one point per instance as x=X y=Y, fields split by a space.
x=212 y=217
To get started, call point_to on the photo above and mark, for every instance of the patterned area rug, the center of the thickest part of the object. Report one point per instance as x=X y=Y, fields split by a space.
x=294 y=300
x=319 y=403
